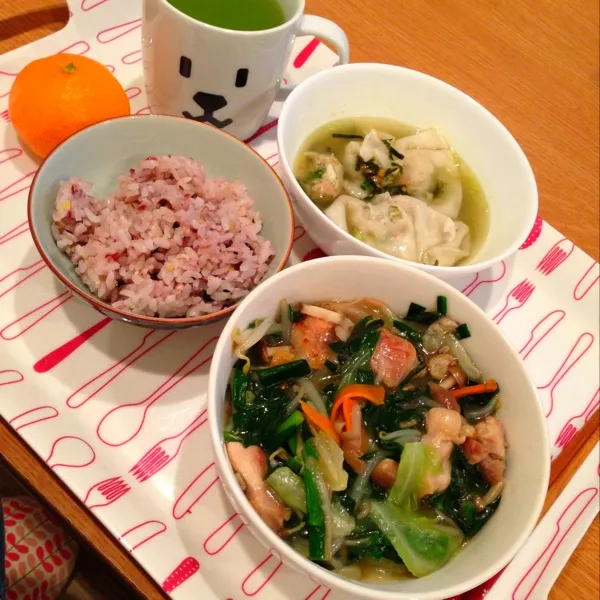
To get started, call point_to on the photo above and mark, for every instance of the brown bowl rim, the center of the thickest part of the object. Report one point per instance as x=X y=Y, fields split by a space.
x=102 y=306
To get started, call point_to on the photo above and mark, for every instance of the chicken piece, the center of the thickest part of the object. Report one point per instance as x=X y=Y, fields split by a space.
x=324 y=179
x=488 y=449
x=311 y=338
x=444 y=429
x=384 y=474
x=355 y=443
x=393 y=359
x=250 y=467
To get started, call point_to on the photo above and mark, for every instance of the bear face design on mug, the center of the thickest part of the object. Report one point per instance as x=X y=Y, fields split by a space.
x=225 y=78
x=209 y=103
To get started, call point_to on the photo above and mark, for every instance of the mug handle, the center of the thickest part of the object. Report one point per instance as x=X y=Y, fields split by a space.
x=327 y=30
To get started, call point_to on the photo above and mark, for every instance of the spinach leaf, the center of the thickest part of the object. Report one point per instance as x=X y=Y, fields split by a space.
x=457 y=501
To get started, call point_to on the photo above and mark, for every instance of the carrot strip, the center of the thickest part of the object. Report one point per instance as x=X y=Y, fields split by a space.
x=348 y=404
x=482 y=388
x=335 y=409
x=361 y=391
x=320 y=421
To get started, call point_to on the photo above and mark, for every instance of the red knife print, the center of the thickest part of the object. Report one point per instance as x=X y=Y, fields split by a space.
x=188 y=567
x=541 y=330
x=81 y=47
x=194 y=492
x=33 y=416
x=587 y=282
x=22 y=274
x=220 y=538
x=15 y=232
x=319 y=593
x=118 y=31
x=139 y=535
x=259 y=578
x=9 y=154
x=10 y=376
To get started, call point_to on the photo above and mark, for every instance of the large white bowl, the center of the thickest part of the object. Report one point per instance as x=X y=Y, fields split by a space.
x=386 y=91
x=528 y=456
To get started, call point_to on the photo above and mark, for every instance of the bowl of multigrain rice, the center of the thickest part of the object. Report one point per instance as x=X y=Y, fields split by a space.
x=160 y=221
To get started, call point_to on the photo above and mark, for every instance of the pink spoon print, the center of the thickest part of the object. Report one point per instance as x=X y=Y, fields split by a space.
x=260 y=577
x=478 y=281
x=70 y=451
x=21 y=184
x=10 y=376
x=22 y=274
x=165 y=451
x=122 y=424
x=194 y=492
x=23 y=324
x=137 y=536
x=94 y=386
x=587 y=282
x=106 y=492
x=220 y=538
x=567 y=433
x=188 y=567
x=579 y=349
x=33 y=416
x=541 y=330
x=515 y=299
x=15 y=232
x=54 y=358
x=555 y=257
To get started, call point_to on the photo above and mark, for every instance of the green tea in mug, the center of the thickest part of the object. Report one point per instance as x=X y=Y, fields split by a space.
x=241 y=15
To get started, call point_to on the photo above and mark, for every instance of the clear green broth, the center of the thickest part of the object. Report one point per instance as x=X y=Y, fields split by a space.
x=474 y=210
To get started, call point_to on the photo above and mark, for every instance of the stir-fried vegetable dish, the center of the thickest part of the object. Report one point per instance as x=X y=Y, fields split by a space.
x=368 y=441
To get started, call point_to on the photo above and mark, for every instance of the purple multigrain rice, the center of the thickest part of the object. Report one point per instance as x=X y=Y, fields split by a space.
x=169 y=243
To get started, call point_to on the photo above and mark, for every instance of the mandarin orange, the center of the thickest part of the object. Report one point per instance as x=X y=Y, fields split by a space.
x=54 y=97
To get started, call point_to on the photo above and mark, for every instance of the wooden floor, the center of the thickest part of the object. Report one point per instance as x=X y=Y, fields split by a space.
x=93 y=578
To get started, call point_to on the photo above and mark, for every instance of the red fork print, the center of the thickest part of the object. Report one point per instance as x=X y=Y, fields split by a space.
x=13 y=233
x=556 y=256
x=5 y=116
x=54 y=358
x=188 y=567
x=118 y=31
x=220 y=538
x=24 y=274
x=194 y=492
x=569 y=430
x=587 y=282
x=476 y=283
x=88 y=390
x=516 y=298
x=123 y=423
x=137 y=536
x=165 y=451
x=23 y=324
x=81 y=47
x=132 y=58
x=9 y=154
x=16 y=187
x=33 y=416
x=70 y=451
x=306 y=53
x=541 y=330
x=105 y=493
x=579 y=349
x=264 y=129
x=258 y=579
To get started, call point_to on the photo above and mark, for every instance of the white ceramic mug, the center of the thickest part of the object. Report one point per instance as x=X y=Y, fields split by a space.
x=223 y=77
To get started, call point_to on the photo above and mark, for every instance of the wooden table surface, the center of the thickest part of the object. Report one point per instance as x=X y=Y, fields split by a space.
x=533 y=63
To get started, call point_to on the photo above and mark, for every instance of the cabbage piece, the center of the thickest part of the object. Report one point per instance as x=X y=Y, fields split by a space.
x=289 y=487
x=331 y=462
x=342 y=522
x=416 y=461
x=422 y=542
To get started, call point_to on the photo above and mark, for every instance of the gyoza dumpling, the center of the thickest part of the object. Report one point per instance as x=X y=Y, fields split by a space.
x=430 y=171
x=403 y=226
x=353 y=179
x=373 y=148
